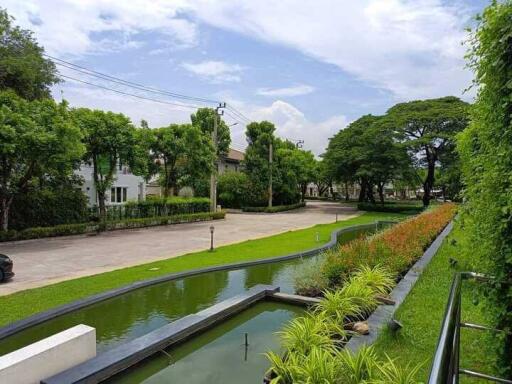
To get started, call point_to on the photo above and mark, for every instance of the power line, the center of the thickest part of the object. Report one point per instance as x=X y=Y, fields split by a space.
x=235 y=118
x=238 y=113
x=90 y=72
x=132 y=94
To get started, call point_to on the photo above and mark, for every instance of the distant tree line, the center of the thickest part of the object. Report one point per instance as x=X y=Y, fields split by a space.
x=412 y=144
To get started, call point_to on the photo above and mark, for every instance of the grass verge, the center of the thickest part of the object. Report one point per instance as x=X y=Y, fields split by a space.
x=423 y=310
x=31 y=301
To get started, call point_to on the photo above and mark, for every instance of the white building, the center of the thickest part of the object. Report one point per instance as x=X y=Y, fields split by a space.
x=126 y=186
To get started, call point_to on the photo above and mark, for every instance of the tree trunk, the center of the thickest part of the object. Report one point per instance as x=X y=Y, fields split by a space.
x=362 y=191
x=4 y=217
x=303 y=189
x=429 y=181
x=369 y=193
x=380 y=189
x=101 y=202
x=347 y=197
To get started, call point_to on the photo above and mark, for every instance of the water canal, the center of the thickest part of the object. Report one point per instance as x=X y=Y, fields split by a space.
x=138 y=312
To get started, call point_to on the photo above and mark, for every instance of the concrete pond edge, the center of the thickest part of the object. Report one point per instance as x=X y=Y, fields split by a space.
x=132 y=352
x=381 y=317
x=42 y=317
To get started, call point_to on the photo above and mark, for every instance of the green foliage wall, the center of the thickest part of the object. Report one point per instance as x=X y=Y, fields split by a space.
x=486 y=153
x=49 y=206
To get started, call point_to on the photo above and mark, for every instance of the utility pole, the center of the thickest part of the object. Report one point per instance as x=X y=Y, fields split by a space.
x=270 y=174
x=213 y=176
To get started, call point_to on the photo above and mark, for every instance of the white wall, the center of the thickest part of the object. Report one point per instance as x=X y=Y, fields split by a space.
x=135 y=185
x=49 y=356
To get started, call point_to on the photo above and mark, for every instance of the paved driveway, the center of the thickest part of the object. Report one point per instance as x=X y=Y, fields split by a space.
x=43 y=261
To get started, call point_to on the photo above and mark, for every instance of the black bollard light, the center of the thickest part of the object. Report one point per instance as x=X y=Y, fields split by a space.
x=212 y=229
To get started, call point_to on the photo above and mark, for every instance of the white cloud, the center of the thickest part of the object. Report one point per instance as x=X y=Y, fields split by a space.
x=290 y=123
x=409 y=47
x=296 y=90
x=68 y=27
x=215 y=71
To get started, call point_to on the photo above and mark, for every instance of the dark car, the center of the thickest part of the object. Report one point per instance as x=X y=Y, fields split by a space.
x=5 y=268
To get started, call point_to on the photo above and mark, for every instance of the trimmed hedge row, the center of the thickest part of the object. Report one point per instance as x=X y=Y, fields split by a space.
x=156 y=207
x=277 y=208
x=77 y=229
x=391 y=208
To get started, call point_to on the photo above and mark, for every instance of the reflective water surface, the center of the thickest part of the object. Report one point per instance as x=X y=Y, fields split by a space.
x=138 y=312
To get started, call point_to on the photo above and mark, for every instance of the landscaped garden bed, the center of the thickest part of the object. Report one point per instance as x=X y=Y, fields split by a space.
x=83 y=228
x=352 y=279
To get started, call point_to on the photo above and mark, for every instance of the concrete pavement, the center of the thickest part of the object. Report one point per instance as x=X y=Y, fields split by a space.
x=41 y=262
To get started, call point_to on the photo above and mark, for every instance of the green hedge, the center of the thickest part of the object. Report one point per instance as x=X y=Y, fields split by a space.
x=156 y=207
x=390 y=207
x=274 y=209
x=76 y=229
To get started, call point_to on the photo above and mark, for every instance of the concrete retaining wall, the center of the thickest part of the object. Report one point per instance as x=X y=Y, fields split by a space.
x=49 y=356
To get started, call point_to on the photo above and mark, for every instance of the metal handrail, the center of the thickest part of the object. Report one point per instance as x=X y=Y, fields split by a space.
x=445 y=365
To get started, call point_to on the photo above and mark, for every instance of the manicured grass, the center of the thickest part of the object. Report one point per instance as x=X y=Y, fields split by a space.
x=423 y=310
x=29 y=302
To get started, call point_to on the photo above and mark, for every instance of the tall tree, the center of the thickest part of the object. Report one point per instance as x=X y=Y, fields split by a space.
x=36 y=139
x=256 y=161
x=109 y=140
x=428 y=128
x=204 y=120
x=184 y=152
x=23 y=67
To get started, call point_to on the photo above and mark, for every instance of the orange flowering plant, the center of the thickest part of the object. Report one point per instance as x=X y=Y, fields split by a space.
x=396 y=248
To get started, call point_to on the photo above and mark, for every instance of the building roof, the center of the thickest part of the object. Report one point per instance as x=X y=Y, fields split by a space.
x=235 y=155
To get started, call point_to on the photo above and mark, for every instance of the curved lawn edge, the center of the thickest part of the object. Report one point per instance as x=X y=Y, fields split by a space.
x=41 y=317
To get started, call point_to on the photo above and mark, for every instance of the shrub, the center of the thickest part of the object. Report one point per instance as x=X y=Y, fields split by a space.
x=275 y=208
x=233 y=189
x=49 y=206
x=309 y=279
x=485 y=149
x=396 y=248
x=76 y=229
x=158 y=207
x=390 y=207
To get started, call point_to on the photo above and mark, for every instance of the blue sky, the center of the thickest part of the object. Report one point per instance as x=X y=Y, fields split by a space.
x=309 y=66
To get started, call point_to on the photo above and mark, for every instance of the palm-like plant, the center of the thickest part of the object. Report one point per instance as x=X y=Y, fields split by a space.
x=360 y=294
x=337 y=306
x=319 y=367
x=281 y=369
x=392 y=373
x=378 y=278
x=303 y=333
x=358 y=368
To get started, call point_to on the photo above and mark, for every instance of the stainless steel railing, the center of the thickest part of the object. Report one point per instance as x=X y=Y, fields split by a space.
x=445 y=365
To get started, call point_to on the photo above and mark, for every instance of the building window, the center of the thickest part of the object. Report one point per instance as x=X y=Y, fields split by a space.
x=118 y=194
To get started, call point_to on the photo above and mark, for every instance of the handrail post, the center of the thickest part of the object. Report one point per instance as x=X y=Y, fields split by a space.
x=443 y=365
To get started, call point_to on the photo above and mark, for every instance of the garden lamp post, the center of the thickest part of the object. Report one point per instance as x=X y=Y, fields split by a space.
x=212 y=229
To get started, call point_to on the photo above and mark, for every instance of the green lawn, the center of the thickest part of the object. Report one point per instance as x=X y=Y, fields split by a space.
x=422 y=312
x=29 y=302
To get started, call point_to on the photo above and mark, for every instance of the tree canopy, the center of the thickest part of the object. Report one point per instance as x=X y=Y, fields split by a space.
x=109 y=140
x=23 y=68
x=366 y=151
x=184 y=152
x=37 y=139
x=428 y=129
x=203 y=118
